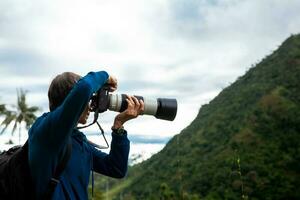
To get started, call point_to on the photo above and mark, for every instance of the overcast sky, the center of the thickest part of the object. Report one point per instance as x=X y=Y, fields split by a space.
x=184 y=49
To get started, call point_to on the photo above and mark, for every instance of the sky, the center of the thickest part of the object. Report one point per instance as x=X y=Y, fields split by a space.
x=184 y=49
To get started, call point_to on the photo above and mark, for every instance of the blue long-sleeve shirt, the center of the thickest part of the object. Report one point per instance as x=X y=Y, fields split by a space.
x=48 y=138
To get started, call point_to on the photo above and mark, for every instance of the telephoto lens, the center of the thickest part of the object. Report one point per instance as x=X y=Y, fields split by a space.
x=161 y=108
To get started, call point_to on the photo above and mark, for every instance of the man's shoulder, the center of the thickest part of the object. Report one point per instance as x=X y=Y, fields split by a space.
x=37 y=123
x=40 y=119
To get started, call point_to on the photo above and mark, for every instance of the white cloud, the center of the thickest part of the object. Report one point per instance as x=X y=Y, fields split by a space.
x=183 y=48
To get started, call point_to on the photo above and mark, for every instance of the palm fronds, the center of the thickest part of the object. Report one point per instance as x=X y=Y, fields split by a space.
x=22 y=113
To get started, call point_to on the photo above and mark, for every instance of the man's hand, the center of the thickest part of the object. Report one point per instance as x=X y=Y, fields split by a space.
x=112 y=81
x=135 y=108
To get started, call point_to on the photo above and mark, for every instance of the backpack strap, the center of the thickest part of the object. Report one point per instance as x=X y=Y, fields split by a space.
x=58 y=171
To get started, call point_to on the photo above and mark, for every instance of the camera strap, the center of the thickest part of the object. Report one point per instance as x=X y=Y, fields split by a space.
x=96 y=114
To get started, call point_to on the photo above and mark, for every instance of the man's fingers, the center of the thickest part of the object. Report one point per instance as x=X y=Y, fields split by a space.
x=113 y=82
x=130 y=99
x=136 y=101
x=130 y=103
x=142 y=106
x=135 y=105
x=112 y=89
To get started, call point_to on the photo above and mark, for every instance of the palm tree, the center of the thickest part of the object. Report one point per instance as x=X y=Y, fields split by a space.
x=23 y=113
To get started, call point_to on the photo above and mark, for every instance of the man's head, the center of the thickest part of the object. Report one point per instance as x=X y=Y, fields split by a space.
x=60 y=87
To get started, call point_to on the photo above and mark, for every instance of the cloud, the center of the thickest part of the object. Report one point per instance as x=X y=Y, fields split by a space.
x=23 y=62
x=140 y=139
x=184 y=49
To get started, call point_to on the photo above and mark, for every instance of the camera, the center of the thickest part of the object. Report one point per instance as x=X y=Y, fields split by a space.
x=161 y=108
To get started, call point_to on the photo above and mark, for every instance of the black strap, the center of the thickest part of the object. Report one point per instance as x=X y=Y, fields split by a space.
x=58 y=171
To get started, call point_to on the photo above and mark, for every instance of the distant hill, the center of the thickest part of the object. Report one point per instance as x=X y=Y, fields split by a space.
x=244 y=144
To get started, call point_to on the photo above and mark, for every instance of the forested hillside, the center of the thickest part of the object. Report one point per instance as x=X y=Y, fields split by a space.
x=244 y=144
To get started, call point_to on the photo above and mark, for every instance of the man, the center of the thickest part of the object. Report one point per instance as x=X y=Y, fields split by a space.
x=69 y=97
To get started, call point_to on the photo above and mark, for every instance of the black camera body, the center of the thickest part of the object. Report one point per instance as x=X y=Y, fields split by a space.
x=100 y=100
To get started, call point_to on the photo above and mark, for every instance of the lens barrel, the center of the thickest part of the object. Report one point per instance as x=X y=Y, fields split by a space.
x=167 y=109
x=161 y=108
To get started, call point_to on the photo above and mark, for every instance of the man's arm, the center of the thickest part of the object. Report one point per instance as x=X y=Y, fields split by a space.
x=63 y=119
x=115 y=163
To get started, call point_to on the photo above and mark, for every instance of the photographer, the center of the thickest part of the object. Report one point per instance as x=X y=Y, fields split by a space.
x=49 y=137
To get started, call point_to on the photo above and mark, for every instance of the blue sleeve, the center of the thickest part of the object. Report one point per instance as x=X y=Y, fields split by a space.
x=60 y=122
x=49 y=134
x=115 y=163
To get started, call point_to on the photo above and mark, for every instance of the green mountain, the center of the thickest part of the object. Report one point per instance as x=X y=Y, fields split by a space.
x=244 y=144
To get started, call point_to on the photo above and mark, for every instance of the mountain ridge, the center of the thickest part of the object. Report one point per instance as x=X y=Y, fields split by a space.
x=242 y=145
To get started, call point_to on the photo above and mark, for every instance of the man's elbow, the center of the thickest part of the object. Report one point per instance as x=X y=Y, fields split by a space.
x=119 y=174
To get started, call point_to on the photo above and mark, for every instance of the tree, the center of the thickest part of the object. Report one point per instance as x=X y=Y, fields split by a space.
x=23 y=113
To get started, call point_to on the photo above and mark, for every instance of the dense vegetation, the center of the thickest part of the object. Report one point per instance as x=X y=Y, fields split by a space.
x=244 y=144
